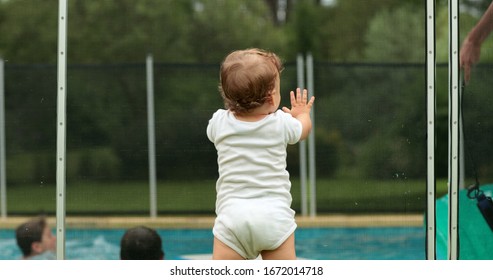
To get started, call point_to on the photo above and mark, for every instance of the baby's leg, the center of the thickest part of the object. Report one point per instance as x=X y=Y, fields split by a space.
x=222 y=251
x=284 y=252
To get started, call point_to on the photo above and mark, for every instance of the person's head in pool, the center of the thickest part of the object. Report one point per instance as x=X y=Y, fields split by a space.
x=35 y=238
x=249 y=79
x=141 y=243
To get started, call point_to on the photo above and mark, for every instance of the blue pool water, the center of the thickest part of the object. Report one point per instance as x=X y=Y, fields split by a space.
x=386 y=243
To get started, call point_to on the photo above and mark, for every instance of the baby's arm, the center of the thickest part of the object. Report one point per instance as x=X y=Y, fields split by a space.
x=300 y=109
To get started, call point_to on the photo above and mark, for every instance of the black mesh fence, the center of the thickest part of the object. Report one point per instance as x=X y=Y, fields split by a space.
x=370 y=137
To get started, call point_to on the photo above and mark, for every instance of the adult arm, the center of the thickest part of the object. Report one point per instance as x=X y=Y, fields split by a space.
x=471 y=47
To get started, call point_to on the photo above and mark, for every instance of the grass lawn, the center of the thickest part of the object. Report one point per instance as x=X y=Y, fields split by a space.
x=193 y=197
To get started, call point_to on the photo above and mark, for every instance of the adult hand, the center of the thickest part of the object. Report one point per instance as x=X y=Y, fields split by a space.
x=469 y=55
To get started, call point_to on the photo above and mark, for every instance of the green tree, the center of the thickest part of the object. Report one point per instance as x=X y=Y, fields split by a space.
x=126 y=30
x=475 y=6
x=29 y=31
x=345 y=26
x=218 y=27
x=304 y=27
x=396 y=35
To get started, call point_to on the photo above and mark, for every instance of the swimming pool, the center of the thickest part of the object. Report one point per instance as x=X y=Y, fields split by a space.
x=380 y=243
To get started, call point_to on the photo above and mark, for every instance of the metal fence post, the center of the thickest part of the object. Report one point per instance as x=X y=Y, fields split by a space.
x=151 y=137
x=3 y=173
x=311 y=139
x=430 y=108
x=61 y=129
x=454 y=131
x=300 y=67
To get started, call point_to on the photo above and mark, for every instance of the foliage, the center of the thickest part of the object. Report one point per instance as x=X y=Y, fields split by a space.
x=222 y=26
x=476 y=6
x=396 y=35
x=205 y=30
x=28 y=30
x=364 y=111
x=343 y=33
x=126 y=30
x=304 y=28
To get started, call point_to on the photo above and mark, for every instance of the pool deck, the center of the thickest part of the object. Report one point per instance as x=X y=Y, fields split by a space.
x=333 y=220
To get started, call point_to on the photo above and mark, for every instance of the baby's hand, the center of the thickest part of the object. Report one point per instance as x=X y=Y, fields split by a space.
x=300 y=109
x=299 y=104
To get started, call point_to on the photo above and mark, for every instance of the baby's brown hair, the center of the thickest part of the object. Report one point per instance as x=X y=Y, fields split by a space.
x=247 y=78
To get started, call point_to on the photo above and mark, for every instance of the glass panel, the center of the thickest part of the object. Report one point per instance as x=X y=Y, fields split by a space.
x=370 y=123
x=474 y=231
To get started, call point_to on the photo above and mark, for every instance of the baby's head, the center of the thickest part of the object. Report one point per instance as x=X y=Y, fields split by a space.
x=248 y=77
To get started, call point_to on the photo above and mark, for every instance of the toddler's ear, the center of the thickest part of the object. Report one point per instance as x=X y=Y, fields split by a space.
x=270 y=99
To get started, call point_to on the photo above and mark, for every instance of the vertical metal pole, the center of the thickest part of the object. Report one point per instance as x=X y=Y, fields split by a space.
x=430 y=109
x=300 y=66
x=3 y=174
x=151 y=136
x=462 y=165
x=61 y=129
x=311 y=140
x=454 y=133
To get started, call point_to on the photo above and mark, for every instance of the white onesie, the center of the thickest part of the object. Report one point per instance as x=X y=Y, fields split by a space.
x=253 y=203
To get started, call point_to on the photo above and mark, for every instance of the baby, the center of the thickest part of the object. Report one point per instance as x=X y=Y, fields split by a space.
x=253 y=205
